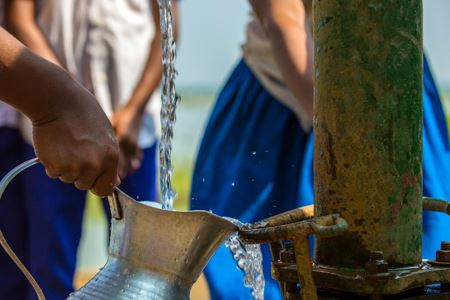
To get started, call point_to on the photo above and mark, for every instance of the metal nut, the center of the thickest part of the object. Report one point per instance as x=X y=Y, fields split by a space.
x=287 y=256
x=376 y=263
x=445 y=245
x=443 y=255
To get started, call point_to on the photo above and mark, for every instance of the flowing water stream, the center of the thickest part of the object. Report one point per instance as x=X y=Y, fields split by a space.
x=249 y=260
x=170 y=100
x=248 y=257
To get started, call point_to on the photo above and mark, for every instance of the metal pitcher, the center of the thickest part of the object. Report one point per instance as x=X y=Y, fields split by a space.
x=153 y=253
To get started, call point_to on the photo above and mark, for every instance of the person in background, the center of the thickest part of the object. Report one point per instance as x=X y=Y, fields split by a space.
x=114 y=50
x=251 y=156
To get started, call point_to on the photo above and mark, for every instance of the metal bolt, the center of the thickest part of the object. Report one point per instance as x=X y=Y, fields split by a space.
x=375 y=255
x=376 y=263
x=443 y=255
x=287 y=256
x=445 y=245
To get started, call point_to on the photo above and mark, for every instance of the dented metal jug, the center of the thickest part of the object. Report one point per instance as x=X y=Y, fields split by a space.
x=153 y=253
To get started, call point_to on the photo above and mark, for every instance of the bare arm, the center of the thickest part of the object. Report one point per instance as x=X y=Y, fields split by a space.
x=286 y=24
x=72 y=136
x=127 y=120
x=21 y=22
x=151 y=77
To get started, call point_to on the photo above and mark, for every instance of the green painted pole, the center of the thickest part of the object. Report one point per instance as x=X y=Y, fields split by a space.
x=368 y=128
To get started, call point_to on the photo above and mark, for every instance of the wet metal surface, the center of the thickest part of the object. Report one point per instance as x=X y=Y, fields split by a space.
x=146 y=262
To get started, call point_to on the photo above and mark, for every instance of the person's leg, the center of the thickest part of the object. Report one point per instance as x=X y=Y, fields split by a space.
x=55 y=214
x=13 y=221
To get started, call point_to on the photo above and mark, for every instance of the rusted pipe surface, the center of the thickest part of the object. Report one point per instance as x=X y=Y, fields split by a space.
x=304 y=269
x=321 y=226
x=288 y=217
x=368 y=128
x=437 y=205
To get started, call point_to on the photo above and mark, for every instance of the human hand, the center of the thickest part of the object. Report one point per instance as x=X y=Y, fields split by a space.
x=72 y=136
x=126 y=122
x=76 y=143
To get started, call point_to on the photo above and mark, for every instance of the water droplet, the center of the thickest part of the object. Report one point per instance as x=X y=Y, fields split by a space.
x=254 y=153
x=233 y=184
x=203 y=179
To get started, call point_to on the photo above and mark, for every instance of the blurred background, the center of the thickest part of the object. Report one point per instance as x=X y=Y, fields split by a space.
x=211 y=33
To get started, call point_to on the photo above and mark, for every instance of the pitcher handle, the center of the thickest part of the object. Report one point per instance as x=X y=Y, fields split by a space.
x=114 y=205
x=3 y=243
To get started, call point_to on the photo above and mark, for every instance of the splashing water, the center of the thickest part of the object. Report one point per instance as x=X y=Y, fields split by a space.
x=169 y=103
x=249 y=259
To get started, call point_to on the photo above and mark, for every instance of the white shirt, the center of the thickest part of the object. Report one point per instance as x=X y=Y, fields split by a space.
x=8 y=116
x=258 y=55
x=105 y=45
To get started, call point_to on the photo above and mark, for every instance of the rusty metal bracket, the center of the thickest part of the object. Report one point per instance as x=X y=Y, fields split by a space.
x=330 y=225
x=288 y=217
x=295 y=225
x=436 y=205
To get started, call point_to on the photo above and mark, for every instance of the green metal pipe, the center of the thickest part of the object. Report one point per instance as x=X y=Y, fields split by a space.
x=368 y=128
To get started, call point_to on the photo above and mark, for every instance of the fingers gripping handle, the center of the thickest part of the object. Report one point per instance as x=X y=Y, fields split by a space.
x=3 y=185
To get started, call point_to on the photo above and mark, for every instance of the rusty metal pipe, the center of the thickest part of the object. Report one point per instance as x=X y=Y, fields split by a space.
x=322 y=226
x=304 y=269
x=291 y=216
x=368 y=129
x=437 y=205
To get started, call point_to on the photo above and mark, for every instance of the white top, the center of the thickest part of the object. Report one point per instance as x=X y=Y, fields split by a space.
x=105 y=45
x=8 y=116
x=258 y=55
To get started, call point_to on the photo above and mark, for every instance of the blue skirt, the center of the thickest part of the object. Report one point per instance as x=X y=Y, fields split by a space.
x=248 y=168
x=436 y=165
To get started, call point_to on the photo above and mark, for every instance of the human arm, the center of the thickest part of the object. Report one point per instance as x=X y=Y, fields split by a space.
x=287 y=26
x=72 y=136
x=21 y=22
x=127 y=119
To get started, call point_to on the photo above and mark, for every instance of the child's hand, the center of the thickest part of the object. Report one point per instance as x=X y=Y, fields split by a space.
x=78 y=145
x=126 y=122
x=72 y=136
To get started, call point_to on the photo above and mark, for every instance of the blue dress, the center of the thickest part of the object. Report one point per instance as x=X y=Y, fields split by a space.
x=250 y=155
x=436 y=165
x=255 y=161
